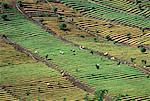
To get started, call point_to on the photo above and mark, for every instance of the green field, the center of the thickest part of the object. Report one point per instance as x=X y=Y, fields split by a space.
x=20 y=75
x=117 y=79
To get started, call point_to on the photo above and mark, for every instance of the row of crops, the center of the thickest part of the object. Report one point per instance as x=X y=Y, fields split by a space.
x=79 y=62
x=96 y=11
x=127 y=6
x=127 y=35
x=25 y=79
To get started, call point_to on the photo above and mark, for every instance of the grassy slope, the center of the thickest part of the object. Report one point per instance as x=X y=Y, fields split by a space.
x=22 y=72
x=18 y=30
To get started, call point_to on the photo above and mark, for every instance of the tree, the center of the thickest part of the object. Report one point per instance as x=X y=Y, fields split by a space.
x=62 y=26
x=99 y=94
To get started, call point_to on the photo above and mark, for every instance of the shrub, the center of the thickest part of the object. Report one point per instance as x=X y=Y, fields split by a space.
x=86 y=97
x=82 y=36
x=62 y=26
x=143 y=50
x=41 y=20
x=4 y=17
x=20 y=4
x=129 y=35
x=140 y=46
x=37 y=1
x=95 y=39
x=99 y=94
x=54 y=9
x=65 y=99
x=60 y=17
x=108 y=38
x=5 y=5
x=132 y=59
x=115 y=42
x=144 y=62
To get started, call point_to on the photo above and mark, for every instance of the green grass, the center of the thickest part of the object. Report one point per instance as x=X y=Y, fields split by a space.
x=117 y=50
x=18 y=30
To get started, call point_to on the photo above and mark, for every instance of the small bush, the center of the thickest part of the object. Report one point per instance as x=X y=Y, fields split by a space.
x=62 y=26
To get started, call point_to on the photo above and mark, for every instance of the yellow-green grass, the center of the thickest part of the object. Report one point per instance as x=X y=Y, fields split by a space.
x=117 y=79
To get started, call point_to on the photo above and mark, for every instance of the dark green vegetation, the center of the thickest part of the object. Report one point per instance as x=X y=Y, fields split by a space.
x=117 y=79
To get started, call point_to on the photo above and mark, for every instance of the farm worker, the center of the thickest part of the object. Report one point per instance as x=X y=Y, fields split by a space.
x=46 y=56
x=61 y=52
x=97 y=66
x=36 y=52
x=81 y=47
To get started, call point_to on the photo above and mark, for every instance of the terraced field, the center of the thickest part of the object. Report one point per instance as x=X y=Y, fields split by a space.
x=129 y=7
x=24 y=79
x=89 y=27
x=79 y=62
x=94 y=10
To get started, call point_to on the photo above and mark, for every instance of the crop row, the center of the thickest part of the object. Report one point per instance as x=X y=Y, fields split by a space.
x=96 y=11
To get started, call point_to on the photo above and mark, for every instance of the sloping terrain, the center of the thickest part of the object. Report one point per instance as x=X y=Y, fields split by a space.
x=79 y=62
